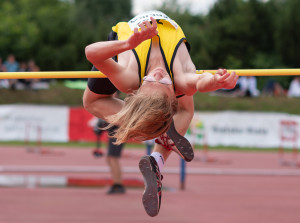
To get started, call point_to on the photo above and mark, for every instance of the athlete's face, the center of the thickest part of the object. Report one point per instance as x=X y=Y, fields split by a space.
x=158 y=80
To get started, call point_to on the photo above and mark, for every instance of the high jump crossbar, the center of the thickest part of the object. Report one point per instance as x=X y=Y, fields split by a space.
x=98 y=74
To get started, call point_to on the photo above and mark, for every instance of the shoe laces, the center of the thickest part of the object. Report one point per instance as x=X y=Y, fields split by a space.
x=165 y=141
x=155 y=168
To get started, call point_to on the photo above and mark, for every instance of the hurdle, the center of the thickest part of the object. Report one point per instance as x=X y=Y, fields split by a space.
x=288 y=133
x=36 y=131
x=98 y=74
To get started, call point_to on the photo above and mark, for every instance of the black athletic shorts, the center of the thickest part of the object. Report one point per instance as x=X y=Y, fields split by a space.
x=103 y=85
x=112 y=150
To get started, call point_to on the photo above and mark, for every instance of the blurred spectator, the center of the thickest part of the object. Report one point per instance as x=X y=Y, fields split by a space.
x=32 y=67
x=114 y=153
x=112 y=158
x=37 y=84
x=294 y=89
x=273 y=88
x=98 y=131
x=2 y=67
x=245 y=87
x=248 y=87
x=23 y=83
x=11 y=65
x=3 y=82
x=22 y=66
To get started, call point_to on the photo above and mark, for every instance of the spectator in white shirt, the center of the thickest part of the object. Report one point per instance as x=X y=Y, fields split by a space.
x=294 y=89
x=248 y=86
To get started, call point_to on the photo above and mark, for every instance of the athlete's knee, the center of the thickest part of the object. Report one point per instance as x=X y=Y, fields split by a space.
x=87 y=102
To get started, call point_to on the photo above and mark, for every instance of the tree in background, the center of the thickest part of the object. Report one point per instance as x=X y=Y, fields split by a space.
x=235 y=34
x=239 y=34
x=55 y=32
x=94 y=19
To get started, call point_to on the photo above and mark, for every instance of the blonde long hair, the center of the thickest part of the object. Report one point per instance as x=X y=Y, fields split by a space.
x=143 y=117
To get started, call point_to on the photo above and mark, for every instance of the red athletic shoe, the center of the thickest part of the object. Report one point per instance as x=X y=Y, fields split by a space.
x=152 y=179
x=172 y=140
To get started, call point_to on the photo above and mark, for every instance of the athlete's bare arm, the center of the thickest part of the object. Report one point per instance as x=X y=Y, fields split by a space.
x=189 y=82
x=121 y=74
x=184 y=114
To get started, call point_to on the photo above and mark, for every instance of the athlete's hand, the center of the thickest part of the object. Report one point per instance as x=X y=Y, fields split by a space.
x=147 y=31
x=224 y=79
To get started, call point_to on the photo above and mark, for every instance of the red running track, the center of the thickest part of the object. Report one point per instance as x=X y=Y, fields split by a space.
x=211 y=198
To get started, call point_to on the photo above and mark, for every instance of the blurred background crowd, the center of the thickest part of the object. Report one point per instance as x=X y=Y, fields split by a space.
x=12 y=65
x=246 y=86
x=51 y=36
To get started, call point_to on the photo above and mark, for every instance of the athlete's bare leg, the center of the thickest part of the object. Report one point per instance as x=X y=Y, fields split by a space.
x=101 y=106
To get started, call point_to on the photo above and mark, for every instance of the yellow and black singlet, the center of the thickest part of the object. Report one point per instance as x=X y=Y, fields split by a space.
x=170 y=38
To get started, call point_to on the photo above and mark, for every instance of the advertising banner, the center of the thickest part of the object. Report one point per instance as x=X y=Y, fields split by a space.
x=81 y=126
x=228 y=128
x=34 y=123
x=245 y=129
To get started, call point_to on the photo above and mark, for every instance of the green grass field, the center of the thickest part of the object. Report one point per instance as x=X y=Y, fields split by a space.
x=92 y=145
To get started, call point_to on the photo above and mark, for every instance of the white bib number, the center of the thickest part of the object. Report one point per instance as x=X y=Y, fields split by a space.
x=134 y=23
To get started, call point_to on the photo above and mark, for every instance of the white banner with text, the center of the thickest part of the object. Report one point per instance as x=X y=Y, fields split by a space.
x=229 y=128
x=245 y=129
x=34 y=123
